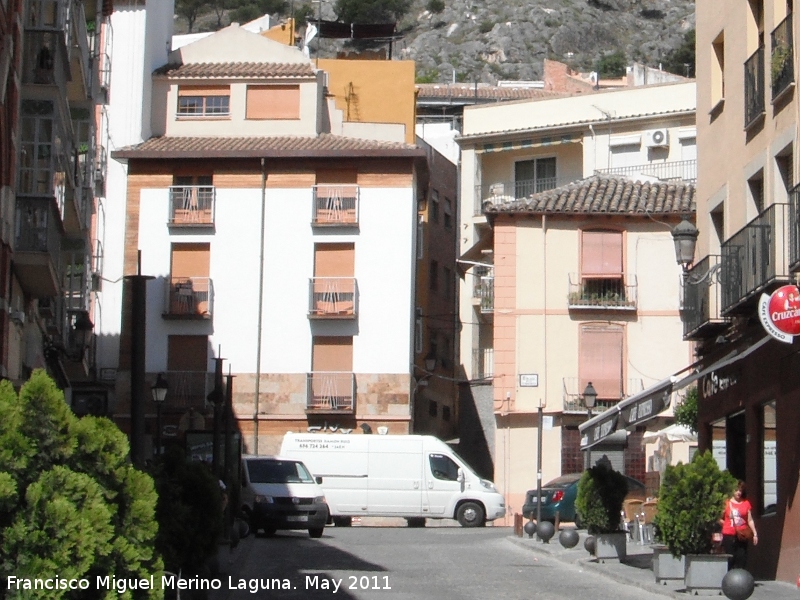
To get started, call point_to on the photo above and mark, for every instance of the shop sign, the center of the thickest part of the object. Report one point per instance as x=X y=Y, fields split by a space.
x=780 y=313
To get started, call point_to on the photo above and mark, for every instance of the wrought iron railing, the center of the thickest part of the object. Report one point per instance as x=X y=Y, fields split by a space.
x=509 y=191
x=37 y=228
x=191 y=205
x=573 y=393
x=190 y=297
x=335 y=204
x=482 y=363
x=333 y=297
x=701 y=296
x=483 y=289
x=188 y=389
x=330 y=391
x=602 y=292
x=794 y=229
x=685 y=170
x=755 y=257
x=782 y=58
x=754 y=102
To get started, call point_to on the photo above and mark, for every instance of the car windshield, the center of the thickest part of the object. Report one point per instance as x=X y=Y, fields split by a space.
x=277 y=471
x=562 y=482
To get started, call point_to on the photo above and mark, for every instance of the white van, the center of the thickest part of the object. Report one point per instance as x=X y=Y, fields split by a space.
x=411 y=476
x=281 y=493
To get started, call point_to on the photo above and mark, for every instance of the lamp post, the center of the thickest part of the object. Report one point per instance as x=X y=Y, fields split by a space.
x=684 y=234
x=159 y=391
x=589 y=398
x=82 y=330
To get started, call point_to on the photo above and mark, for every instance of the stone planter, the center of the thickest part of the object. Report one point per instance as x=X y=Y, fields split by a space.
x=705 y=571
x=611 y=546
x=666 y=567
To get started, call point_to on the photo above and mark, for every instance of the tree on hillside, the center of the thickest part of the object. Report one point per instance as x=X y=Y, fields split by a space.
x=612 y=65
x=681 y=61
x=245 y=11
x=371 y=11
x=190 y=10
x=70 y=503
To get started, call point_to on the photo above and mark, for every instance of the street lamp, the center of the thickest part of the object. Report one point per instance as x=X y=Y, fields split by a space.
x=684 y=234
x=430 y=361
x=589 y=398
x=159 y=391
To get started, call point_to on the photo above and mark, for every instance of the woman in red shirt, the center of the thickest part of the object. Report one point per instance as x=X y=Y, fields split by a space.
x=738 y=515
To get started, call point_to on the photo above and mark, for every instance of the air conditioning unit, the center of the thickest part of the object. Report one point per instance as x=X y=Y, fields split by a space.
x=657 y=138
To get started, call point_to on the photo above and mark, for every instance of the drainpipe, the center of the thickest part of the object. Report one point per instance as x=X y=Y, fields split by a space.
x=260 y=302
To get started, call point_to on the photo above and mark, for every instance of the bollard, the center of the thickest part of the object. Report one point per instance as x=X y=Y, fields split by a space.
x=569 y=538
x=738 y=584
x=545 y=531
x=589 y=544
x=518 y=524
x=530 y=528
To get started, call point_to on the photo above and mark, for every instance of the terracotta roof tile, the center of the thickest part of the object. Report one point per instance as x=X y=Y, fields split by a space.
x=323 y=145
x=603 y=194
x=483 y=92
x=228 y=70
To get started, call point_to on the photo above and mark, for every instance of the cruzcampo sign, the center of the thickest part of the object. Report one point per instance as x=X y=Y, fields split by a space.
x=780 y=313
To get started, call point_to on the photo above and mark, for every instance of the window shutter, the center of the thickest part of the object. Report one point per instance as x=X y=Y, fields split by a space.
x=601 y=254
x=601 y=361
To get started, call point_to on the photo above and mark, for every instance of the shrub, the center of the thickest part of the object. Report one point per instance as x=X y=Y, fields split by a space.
x=686 y=411
x=690 y=504
x=601 y=492
x=486 y=26
x=435 y=6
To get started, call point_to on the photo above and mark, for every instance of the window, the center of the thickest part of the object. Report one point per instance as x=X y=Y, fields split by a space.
x=433 y=408
x=420 y=237
x=418 y=330
x=784 y=164
x=445 y=413
x=189 y=291
x=718 y=70
x=36 y=164
x=600 y=360
x=333 y=292
x=332 y=354
x=273 y=102
x=769 y=453
x=187 y=363
x=755 y=186
x=209 y=101
x=626 y=155
x=448 y=213
x=532 y=176
x=601 y=266
x=434 y=208
x=443 y=467
x=448 y=283
x=433 y=276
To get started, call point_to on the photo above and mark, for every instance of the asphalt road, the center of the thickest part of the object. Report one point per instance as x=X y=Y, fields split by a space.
x=447 y=563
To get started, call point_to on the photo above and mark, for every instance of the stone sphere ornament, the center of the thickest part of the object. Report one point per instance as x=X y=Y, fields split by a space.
x=738 y=584
x=545 y=530
x=590 y=544
x=530 y=528
x=569 y=538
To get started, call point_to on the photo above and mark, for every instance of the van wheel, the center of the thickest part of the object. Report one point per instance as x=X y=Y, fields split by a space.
x=416 y=521
x=316 y=532
x=470 y=514
x=342 y=521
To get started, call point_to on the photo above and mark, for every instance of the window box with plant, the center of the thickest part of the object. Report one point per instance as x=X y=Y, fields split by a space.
x=690 y=503
x=601 y=492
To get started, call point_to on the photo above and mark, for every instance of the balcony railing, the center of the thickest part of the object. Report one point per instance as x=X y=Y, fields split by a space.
x=335 y=205
x=330 y=392
x=573 y=393
x=754 y=102
x=190 y=298
x=794 y=229
x=685 y=170
x=483 y=289
x=509 y=191
x=589 y=292
x=333 y=298
x=482 y=363
x=37 y=246
x=188 y=389
x=701 y=298
x=754 y=257
x=45 y=61
x=782 y=59
x=191 y=205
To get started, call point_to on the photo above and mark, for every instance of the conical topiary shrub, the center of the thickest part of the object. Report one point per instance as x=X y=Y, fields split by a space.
x=690 y=504
x=601 y=492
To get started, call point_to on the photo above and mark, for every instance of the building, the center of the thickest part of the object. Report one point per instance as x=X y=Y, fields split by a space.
x=747 y=206
x=280 y=239
x=542 y=337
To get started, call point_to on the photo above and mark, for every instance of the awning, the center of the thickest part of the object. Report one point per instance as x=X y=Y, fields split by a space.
x=728 y=359
x=473 y=255
x=525 y=144
x=670 y=433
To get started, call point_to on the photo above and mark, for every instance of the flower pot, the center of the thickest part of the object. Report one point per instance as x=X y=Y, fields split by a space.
x=705 y=571
x=611 y=546
x=666 y=567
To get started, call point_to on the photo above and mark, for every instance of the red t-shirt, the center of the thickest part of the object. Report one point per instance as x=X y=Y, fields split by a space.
x=735 y=516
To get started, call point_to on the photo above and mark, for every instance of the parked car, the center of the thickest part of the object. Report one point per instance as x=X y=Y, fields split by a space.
x=558 y=496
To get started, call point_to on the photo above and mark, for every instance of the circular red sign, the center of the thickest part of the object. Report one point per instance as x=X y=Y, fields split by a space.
x=784 y=309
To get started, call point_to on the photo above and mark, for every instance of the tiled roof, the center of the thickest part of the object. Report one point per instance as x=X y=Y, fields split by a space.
x=323 y=145
x=237 y=69
x=602 y=194
x=482 y=92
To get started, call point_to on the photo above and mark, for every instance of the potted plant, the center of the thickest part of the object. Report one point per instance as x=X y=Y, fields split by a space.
x=601 y=492
x=690 y=504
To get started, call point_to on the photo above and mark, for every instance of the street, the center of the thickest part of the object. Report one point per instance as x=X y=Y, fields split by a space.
x=415 y=564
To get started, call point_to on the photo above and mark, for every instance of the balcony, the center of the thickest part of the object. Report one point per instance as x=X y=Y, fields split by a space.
x=188 y=389
x=755 y=258
x=482 y=363
x=191 y=205
x=80 y=86
x=701 y=299
x=45 y=61
x=189 y=298
x=330 y=392
x=483 y=289
x=332 y=298
x=754 y=103
x=794 y=229
x=509 y=191
x=573 y=394
x=679 y=170
x=602 y=293
x=782 y=58
x=37 y=247
x=335 y=205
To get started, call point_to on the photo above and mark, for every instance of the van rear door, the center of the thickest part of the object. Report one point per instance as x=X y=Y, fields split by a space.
x=395 y=477
x=441 y=481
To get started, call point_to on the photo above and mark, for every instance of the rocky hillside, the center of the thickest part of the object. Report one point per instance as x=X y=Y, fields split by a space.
x=489 y=40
